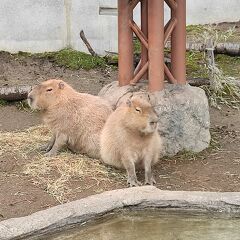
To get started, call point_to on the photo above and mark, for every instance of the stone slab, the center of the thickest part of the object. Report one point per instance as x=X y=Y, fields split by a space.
x=83 y=210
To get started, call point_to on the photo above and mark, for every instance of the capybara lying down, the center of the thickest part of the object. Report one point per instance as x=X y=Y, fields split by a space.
x=130 y=138
x=75 y=119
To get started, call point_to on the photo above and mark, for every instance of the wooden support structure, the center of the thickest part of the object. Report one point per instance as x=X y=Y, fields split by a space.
x=125 y=42
x=153 y=37
x=178 y=42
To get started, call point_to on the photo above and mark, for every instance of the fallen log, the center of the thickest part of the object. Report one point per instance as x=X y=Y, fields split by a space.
x=18 y=93
x=231 y=49
x=197 y=82
x=15 y=93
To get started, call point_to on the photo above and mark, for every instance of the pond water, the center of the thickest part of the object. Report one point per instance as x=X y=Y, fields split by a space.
x=156 y=225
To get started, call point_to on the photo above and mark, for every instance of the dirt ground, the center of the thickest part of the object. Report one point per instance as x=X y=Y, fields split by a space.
x=215 y=169
x=21 y=70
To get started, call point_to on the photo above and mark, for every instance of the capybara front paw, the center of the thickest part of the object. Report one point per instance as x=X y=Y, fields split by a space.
x=45 y=148
x=133 y=182
x=50 y=154
x=150 y=182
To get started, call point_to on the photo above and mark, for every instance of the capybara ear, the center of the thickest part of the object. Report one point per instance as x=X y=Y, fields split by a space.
x=61 y=85
x=129 y=103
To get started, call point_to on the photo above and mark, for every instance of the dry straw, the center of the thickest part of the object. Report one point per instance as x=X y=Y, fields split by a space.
x=56 y=175
x=223 y=89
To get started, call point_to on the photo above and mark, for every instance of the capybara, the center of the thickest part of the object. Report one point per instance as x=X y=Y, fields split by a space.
x=75 y=119
x=130 y=139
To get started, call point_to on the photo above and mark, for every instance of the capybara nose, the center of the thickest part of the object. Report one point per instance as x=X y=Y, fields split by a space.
x=154 y=118
x=153 y=121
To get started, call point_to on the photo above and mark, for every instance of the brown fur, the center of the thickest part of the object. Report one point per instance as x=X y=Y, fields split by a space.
x=76 y=119
x=130 y=138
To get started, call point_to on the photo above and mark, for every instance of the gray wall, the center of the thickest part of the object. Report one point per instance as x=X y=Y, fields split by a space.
x=50 y=25
x=211 y=11
x=32 y=26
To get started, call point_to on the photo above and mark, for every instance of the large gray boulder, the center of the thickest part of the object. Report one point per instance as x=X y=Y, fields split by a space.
x=182 y=110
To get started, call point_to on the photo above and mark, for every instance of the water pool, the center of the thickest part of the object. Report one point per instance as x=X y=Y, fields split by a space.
x=155 y=225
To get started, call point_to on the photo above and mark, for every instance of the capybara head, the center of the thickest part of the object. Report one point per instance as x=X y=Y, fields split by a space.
x=141 y=116
x=47 y=94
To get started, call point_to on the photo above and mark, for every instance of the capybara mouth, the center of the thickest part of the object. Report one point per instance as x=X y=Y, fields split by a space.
x=30 y=100
x=32 y=104
x=153 y=125
x=148 y=130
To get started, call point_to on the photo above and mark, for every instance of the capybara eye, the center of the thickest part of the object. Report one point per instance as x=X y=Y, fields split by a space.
x=138 y=109
x=49 y=89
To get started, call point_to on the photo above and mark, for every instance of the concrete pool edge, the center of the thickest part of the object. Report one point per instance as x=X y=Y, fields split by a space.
x=85 y=209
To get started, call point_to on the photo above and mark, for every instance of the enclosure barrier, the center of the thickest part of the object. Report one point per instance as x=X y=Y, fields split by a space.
x=153 y=36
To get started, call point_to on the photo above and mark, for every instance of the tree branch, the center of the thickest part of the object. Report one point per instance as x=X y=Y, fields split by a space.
x=90 y=49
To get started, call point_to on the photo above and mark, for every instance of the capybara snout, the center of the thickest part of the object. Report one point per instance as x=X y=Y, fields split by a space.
x=30 y=99
x=143 y=117
x=152 y=123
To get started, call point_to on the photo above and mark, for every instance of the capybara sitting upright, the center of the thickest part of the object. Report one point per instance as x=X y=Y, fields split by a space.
x=130 y=138
x=75 y=119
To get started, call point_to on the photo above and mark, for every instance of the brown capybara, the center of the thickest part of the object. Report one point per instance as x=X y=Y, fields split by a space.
x=75 y=119
x=130 y=139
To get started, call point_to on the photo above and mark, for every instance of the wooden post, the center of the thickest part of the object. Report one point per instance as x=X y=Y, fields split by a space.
x=155 y=44
x=125 y=43
x=178 y=39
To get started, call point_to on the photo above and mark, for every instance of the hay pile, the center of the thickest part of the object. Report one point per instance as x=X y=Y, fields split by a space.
x=60 y=175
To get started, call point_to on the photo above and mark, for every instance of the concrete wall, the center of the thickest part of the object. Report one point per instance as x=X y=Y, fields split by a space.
x=212 y=11
x=49 y=25
x=99 y=28
x=32 y=26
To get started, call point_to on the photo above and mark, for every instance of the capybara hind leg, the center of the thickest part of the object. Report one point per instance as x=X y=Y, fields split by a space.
x=132 y=177
x=149 y=179
x=48 y=146
x=60 y=141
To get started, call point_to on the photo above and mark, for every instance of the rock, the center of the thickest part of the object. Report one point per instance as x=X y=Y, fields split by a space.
x=183 y=113
x=42 y=224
